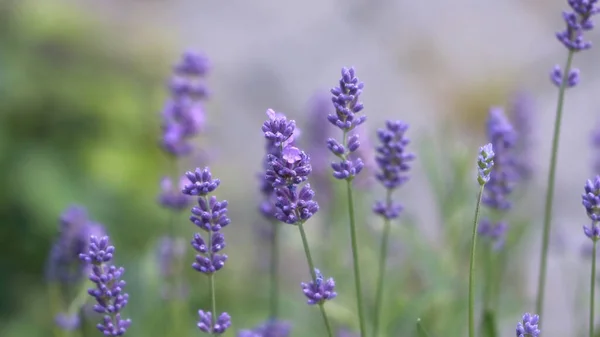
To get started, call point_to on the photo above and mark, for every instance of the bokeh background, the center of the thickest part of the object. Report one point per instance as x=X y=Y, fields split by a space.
x=82 y=84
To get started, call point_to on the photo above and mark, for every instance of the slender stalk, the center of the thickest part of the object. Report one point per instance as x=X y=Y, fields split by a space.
x=550 y=193
x=311 y=266
x=356 y=261
x=274 y=272
x=382 y=264
x=487 y=277
x=472 y=267
x=593 y=290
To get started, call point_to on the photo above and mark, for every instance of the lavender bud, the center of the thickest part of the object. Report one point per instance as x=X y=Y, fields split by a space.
x=485 y=162
x=205 y=323
x=201 y=182
x=528 y=326
x=319 y=291
x=591 y=199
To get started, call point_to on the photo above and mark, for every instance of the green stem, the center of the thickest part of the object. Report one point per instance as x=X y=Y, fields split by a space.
x=274 y=272
x=382 y=264
x=313 y=274
x=487 y=292
x=550 y=193
x=593 y=289
x=355 y=259
x=472 y=267
x=421 y=329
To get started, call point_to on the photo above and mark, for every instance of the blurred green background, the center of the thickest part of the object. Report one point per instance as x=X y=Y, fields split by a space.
x=80 y=125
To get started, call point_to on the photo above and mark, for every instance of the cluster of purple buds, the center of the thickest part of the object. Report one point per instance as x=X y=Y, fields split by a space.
x=76 y=228
x=109 y=294
x=205 y=323
x=345 y=101
x=183 y=114
x=485 y=162
x=528 y=327
x=578 y=21
x=319 y=290
x=393 y=161
x=210 y=215
x=591 y=201
x=503 y=174
x=272 y=328
x=288 y=168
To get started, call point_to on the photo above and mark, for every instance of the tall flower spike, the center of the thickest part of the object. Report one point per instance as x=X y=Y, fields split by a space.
x=211 y=216
x=485 y=162
x=109 y=293
x=591 y=202
x=503 y=175
x=393 y=161
x=319 y=290
x=528 y=327
x=183 y=114
x=345 y=101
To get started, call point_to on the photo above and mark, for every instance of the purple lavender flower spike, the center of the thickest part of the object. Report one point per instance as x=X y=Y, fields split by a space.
x=345 y=101
x=485 y=162
x=503 y=174
x=393 y=161
x=183 y=114
x=288 y=167
x=496 y=232
x=109 y=294
x=319 y=290
x=271 y=328
x=528 y=326
x=200 y=182
x=591 y=199
x=171 y=197
x=278 y=129
x=221 y=325
x=64 y=265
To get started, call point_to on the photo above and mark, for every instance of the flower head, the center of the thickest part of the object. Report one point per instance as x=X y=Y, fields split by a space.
x=485 y=162
x=200 y=182
x=346 y=104
x=503 y=174
x=590 y=199
x=528 y=326
x=171 y=197
x=319 y=290
x=205 y=323
x=109 y=294
x=393 y=161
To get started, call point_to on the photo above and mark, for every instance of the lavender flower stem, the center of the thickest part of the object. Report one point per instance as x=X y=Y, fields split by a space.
x=356 y=261
x=593 y=289
x=311 y=266
x=382 y=263
x=487 y=292
x=472 y=267
x=274 y=270
x=550 y=193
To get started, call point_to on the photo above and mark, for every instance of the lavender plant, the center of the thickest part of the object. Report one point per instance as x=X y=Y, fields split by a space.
x=393 y=161
x=289 y=168
x=591 y=202
x=528 y=326
x=347 y=108
x=108 y=293
x=577 y=21
x=210 y=216
x=485 y=163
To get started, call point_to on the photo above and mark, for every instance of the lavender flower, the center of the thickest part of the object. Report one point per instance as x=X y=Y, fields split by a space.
x=109 y=294
x=67 y=322
x=201 y=183
x=171 y=197
x=205 y=323
x=393 y=162
x=345 y=100
x=288 y=168
x=577 y=22
x=521 y=116
x=591 y=199
x=496 y=232
x=272 y=328
x=485 y=162
x=75 y=229
x=319 y=290
x=528 y=326
x=183 y=114
x=503 y=175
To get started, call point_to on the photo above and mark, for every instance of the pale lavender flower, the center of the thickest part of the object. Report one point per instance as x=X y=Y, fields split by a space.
x=528 y=326
x=170 y=254
x=521 y=114
x=271 y=328
x=205 y=323
x=109 y=294
x=319 y=290
x=67 y=322
x=590 y=199
x=485 y=162
x=171 y=197
x=496 y=232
